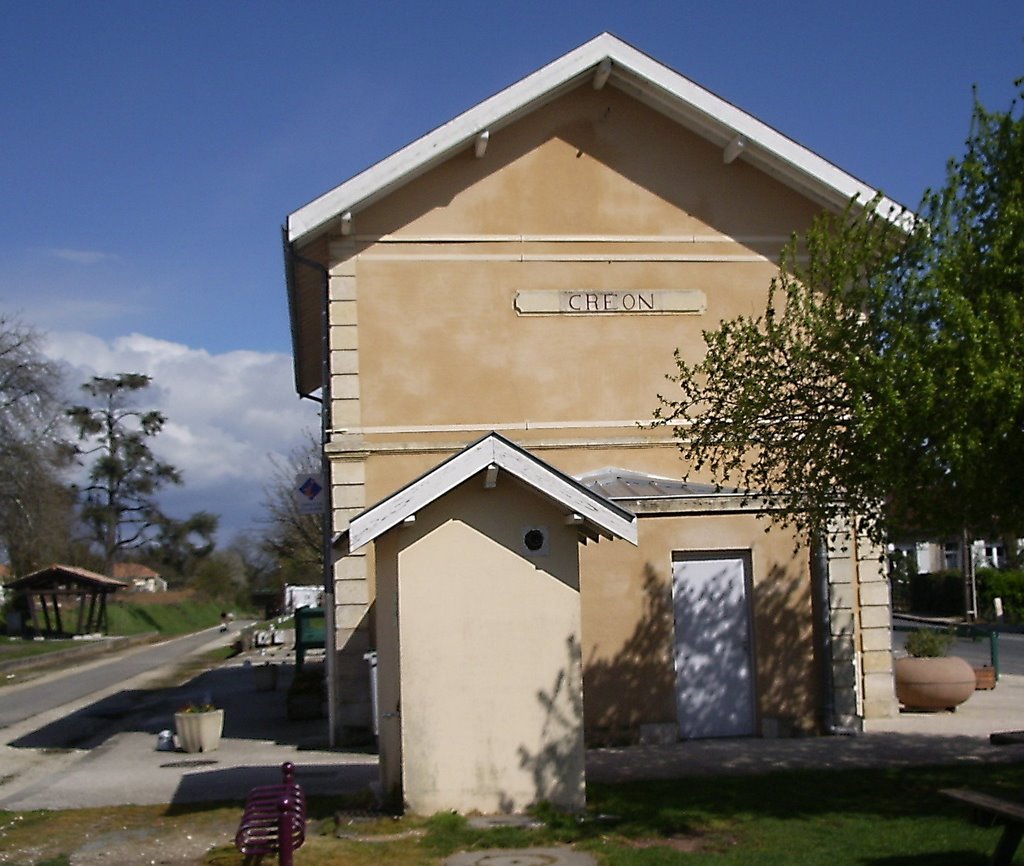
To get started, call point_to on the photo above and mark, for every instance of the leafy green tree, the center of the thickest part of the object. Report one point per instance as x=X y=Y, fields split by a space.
x=221 y=577
x=882 y=383
x=970 y=281
x=180 y=545
x=35 y=504
x=118 y=504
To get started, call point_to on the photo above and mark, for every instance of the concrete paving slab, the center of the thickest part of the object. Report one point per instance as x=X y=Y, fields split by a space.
x=905 y=739
x=123 y=766
x=117 y=761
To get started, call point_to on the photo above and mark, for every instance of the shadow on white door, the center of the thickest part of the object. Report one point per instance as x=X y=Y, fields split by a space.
x=714 y=667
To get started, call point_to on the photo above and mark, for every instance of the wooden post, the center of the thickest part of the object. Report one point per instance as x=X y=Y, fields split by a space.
x=80 y=622
x=56 y=613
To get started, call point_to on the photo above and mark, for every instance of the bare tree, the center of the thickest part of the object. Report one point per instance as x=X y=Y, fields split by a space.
x=292 y=538
x=35 y=504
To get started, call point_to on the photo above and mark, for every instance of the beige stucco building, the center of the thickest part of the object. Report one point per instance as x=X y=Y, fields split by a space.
x=529 y=268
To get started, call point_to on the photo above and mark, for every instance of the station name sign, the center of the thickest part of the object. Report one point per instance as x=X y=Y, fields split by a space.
x=599 y=301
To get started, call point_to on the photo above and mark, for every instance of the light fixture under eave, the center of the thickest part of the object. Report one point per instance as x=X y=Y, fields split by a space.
x=480 y=145
x=346 y=223
x=733 y=149
x=491 y=479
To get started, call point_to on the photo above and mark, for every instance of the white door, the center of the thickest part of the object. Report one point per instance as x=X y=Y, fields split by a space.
x=714 y=679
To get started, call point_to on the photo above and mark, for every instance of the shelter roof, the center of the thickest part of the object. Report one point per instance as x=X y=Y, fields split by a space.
x=56 y=575
x=594 y=514
x=603 y=61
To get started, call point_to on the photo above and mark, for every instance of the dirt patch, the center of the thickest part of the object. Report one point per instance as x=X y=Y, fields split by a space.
x=148 y=846
x=125 y=836
x=686 y=844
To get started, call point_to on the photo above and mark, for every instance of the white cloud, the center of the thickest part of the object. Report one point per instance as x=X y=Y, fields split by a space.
x=82 y=257
x=227 y=414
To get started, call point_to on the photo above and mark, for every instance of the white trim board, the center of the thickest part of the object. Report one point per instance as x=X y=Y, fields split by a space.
x=601 y=516
x=634 y=73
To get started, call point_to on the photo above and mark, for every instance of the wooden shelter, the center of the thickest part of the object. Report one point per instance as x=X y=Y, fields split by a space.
x=64 y=600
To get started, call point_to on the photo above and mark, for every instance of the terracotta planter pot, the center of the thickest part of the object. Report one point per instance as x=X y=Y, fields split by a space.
x=933 y=683
x=199 y=732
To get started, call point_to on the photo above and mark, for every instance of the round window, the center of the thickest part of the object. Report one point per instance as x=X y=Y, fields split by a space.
x=534 y=539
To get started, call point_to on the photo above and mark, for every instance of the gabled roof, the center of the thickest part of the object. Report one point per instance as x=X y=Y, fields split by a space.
x=603 y=61
x=597 y=515
x=129 y=570
x=60 y=574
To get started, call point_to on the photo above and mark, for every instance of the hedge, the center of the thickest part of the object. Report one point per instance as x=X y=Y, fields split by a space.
x=941 y=593
x=1007 y=585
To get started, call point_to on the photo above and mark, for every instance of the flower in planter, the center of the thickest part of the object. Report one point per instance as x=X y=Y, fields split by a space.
x=194 y=707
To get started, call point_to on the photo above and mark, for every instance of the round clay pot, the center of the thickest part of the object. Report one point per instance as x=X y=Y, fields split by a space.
x=933 y=683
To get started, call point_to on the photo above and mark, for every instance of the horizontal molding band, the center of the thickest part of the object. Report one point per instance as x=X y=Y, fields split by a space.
x=364 y=449
x=483 y=428
x=571 y=239
x=554 y=257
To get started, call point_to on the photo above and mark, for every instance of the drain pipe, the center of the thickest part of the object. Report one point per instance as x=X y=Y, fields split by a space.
x=330 y=661
x=823 y=634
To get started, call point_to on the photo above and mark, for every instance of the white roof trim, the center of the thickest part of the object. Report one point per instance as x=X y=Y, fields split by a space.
x=598 y=513
x=633 y=72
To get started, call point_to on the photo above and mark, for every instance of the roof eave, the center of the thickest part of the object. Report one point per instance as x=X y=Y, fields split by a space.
x=635 y=73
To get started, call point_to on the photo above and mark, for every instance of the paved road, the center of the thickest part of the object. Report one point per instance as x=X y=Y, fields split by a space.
x=82 y=680
x=975 y=652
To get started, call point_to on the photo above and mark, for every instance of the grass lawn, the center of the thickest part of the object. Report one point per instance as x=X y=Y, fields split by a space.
x=182 y=617
x=825 y=818
x=17 y=648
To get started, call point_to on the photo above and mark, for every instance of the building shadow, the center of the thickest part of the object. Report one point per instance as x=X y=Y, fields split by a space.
x=557 y=764
x=232 y=784
x=638 y=685
x=250 y=712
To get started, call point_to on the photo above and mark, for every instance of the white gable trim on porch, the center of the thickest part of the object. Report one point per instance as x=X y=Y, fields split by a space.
x=594 y=515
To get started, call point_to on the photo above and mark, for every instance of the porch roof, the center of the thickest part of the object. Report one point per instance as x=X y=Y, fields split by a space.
x=593 y=514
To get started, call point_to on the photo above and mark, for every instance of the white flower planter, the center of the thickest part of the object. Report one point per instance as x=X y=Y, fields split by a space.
x=199 y=732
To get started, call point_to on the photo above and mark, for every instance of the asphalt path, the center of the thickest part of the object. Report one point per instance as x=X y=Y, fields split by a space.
x=975 y=652
x=81 y=680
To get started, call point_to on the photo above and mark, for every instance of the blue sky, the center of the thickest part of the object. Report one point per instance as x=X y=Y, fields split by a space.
x=151 y=151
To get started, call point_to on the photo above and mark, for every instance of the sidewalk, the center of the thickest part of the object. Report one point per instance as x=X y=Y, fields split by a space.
x=126 y=768
x=906 y=739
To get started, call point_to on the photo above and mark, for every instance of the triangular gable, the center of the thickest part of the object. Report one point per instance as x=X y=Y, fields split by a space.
x=604 y=60
x=596 y=513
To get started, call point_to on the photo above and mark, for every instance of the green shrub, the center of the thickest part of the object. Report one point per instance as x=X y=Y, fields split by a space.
x=929 y=643
x=1007 y=585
